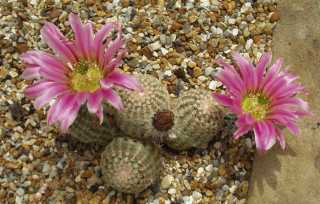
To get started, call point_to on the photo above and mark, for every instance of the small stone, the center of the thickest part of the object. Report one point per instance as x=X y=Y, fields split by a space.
x=235 y=32
x=275 y=16
x=167 y=181
x=209 y=168
x=155 y=46
x=214 y=84
x=208 y=71
x=197 y=71
x=200 y=171
x=249 y=44
x=193 y=18
x=196 y=195
x=192 y=64
x=167 y=73
x=172 y=191
x=187 y=199
x=202 y=78
x=233 y=189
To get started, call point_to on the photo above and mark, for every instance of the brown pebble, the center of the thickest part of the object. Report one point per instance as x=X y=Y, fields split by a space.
x=275 y=16
x=54 y=13
x=22 y=47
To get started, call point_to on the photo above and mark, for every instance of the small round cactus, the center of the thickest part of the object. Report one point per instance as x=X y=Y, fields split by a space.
x=146 y=114
x=130 y=166
x=87 y=128
x=198 y=118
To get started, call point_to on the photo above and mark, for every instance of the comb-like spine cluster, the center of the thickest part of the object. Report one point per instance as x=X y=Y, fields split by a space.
x=87 y=128
x=198 y=118
x=130 y=166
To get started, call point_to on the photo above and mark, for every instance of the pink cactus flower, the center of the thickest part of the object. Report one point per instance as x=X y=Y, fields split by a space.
x=82 y=71
x=263 y=98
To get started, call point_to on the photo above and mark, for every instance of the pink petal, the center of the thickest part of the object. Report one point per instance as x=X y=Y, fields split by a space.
x=259 y=137
x=52 y=75
x=79 y=33
x=88 y=43
x=116 y=62
x=242 y=131
x=99 y=114
x=39 y=88
x=274 y=85
x=116 y=45
x=222 y=99
x=44 y=60
x=271 y=137
x=264 y=136
x=228 y=79
x=59 y=109
x=264 y=61
x=245 y=120
x=72 y=115
x=31 y=73
x=105 y=84
x=113 y=98
x=94 y=101
x=246 y=70
x=293 y=128
x=58 y=45
x=272 y=73
x=124 y=80
x=280 y=138
x=98 y=45
x=49 y=94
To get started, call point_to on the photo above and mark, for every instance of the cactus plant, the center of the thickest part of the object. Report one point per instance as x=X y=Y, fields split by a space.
x=198 y=118
x=146 y=114
x=130 y=166
x=87 y=129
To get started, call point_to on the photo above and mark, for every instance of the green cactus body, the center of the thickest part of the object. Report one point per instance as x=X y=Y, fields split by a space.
x=87 y=129
x=198 y=118
x=130 y=166
x=141 y=108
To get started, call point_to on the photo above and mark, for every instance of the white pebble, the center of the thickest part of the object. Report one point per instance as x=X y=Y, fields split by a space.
x=168 y=73
x=167 y=181
x=187 y=200
x=233 y=189
x=249 y=43
x=200 y=171
x=202 y=78
x=209 y=168
x=232 y=21
x=214 y=84
x=235 y=31
x=172 y=191
x=196 y=195
x=155 y=46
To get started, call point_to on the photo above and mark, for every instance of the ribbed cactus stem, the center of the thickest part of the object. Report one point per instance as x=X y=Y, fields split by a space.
x=130 y=166
x=88 y=129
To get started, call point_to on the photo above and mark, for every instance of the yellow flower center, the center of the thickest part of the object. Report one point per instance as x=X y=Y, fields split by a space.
x=86 y=77
x=257 y=105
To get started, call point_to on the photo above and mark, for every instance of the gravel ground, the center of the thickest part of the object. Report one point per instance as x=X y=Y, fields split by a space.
x=177 y=41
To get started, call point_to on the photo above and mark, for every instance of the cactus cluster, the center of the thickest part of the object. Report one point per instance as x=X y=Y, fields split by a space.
x=131 y=161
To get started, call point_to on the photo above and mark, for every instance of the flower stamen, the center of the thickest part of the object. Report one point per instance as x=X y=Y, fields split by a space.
x=257 y=105
x=86 y=77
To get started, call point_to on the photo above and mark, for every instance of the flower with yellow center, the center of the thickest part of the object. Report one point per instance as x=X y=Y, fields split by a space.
x=265 y=100
x=82 y=71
